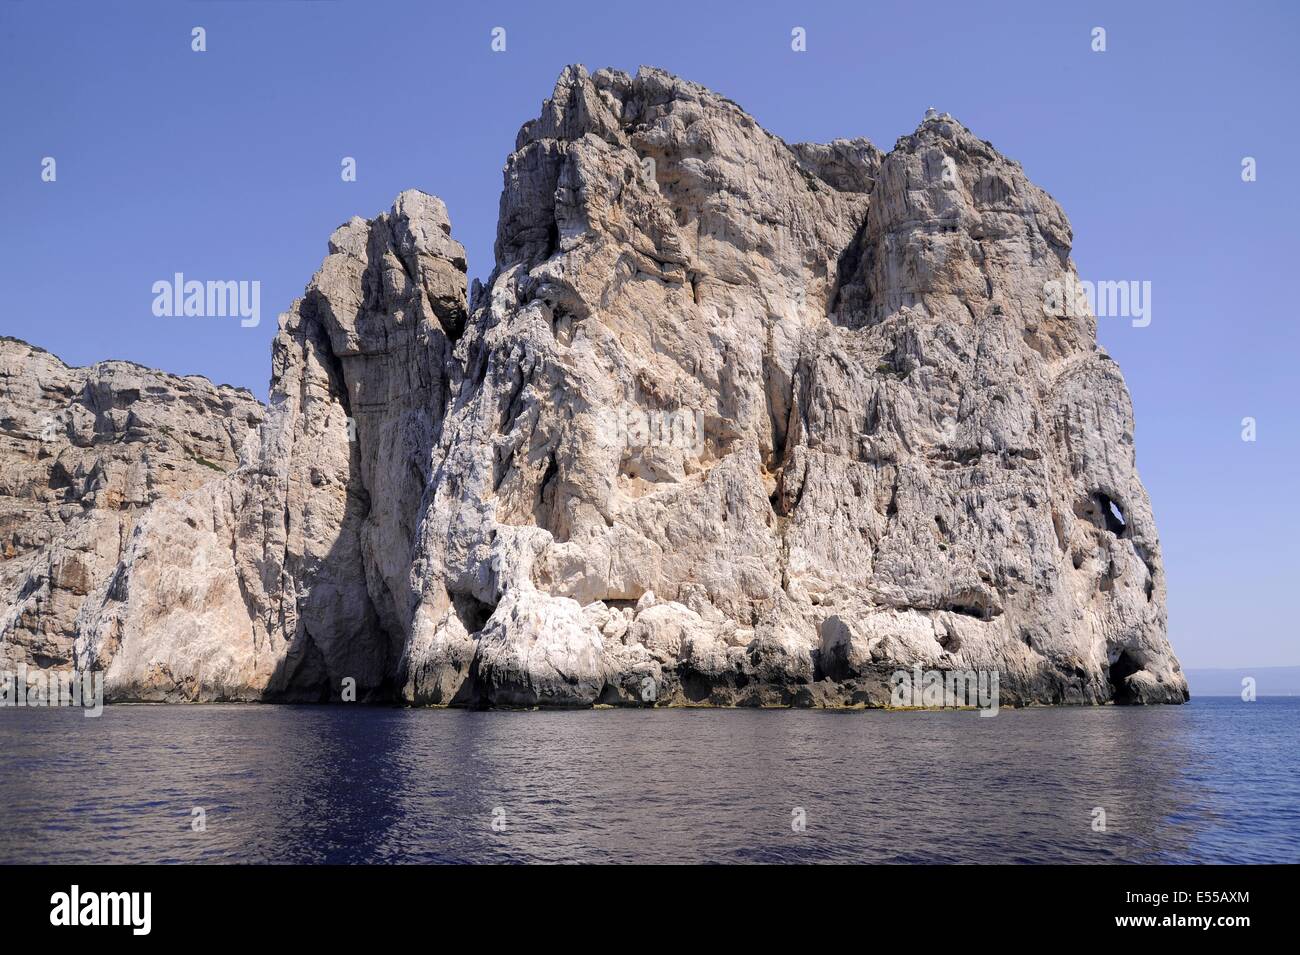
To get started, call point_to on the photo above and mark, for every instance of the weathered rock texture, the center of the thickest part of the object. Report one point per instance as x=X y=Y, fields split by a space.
x=85 y=454
x=867 y=446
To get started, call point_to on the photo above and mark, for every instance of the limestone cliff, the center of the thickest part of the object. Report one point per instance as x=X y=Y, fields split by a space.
x=732 y=421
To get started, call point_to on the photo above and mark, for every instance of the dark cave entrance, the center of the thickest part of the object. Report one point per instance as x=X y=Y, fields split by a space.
x=1123 y=668
x=473 y=613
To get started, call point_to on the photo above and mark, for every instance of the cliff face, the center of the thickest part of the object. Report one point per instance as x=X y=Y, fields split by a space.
x=84 y=454
x=732 y=422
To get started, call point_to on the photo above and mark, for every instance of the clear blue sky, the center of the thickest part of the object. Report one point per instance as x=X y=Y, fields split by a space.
x=225 y=164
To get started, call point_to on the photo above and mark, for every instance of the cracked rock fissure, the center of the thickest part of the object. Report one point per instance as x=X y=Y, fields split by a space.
x=732 y=422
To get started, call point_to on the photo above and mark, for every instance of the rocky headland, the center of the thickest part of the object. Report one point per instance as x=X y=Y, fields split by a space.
x=732 y=422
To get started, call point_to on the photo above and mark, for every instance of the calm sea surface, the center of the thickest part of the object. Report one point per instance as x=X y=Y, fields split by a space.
x=1217 y=780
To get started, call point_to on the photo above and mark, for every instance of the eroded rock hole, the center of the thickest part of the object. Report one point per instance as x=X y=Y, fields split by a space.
x=1115 y=522
x=1123 y=668
x=546 y=489
x=473 y=613
x=971 y=603
x=1102 y=511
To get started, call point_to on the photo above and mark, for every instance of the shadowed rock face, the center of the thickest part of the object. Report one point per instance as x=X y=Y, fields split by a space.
x=732 y=422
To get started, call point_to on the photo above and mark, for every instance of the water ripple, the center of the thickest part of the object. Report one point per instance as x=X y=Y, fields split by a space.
x=1214 y=781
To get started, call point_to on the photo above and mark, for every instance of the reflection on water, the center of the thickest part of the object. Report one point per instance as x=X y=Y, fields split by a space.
x=1214 y=781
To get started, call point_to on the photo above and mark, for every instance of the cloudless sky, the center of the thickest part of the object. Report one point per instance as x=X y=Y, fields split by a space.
x=225 y=165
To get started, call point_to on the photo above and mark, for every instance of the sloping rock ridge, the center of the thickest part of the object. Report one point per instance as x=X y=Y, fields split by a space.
x=732 y=422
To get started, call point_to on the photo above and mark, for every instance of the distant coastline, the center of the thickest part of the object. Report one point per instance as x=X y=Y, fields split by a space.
x=1227 y=681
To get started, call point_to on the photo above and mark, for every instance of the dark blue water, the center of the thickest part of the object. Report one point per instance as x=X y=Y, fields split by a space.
x=1214 y=781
